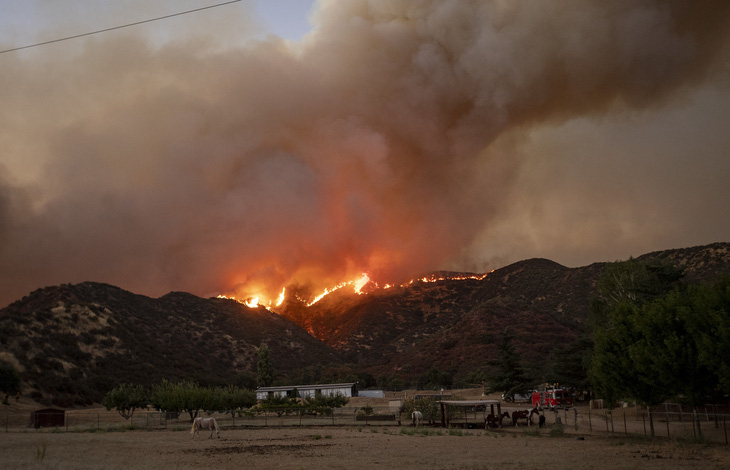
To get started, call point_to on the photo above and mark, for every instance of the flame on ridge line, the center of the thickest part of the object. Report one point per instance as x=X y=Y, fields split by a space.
x=253 y=302
x=357 y=284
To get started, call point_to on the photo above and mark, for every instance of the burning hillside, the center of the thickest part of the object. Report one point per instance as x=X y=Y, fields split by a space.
x=361 y=285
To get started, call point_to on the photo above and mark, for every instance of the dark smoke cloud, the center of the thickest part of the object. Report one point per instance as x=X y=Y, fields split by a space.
x=398 y=137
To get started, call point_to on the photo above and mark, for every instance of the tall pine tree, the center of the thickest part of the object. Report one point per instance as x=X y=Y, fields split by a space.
x=509 y=375
x=264 y=368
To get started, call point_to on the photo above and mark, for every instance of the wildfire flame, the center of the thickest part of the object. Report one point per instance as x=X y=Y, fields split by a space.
x=357 y=285
x=280 y=299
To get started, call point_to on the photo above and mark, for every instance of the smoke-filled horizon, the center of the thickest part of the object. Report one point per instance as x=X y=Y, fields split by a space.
x=397 y=137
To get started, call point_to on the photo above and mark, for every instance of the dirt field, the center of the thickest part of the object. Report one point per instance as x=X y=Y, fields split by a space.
x=356 y=447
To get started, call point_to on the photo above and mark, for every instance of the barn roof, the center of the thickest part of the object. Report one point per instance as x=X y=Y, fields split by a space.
x=305 y=387
x=469 y=402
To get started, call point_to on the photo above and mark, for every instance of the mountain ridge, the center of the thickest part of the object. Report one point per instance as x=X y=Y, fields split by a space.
x=72 y=343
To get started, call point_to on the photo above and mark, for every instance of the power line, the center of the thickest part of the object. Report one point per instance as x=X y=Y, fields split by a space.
x=117 y=27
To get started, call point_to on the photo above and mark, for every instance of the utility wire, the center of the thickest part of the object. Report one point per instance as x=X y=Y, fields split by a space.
x=117 y=27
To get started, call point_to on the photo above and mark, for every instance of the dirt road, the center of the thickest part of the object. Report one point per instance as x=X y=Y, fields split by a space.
x=356 y=447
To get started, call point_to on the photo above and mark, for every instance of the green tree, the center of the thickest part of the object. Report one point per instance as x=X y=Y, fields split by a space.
x=428 y=408
x=336 y=400
x=636 y=281
x=714 y=342
x=571 y=364
x=237 y=398
x=622 y=290
x=365 y=380
x=323 y=404
x=9 y=380
x=246 y=380
x=264 y=368
x=682 y=332
x=187 y=397
x=228 y=398
x=435 y=378
x=620 y=366
x=280 y=404
x=666 y=340
x=478 y=377
x=509 y=375
x=126 y=398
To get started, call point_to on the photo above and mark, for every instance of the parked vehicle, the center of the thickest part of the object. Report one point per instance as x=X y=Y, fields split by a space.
x=552 y=397
x=515 y=397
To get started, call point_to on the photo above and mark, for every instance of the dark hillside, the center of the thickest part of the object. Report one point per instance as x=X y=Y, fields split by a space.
x=454 y=325
x=75 y=342
x=72 y=343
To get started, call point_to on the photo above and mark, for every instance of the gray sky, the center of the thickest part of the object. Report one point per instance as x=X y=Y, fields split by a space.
x=230 y=151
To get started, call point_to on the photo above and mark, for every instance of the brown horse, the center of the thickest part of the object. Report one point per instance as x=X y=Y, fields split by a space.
x=524 y=414
x=495 y=421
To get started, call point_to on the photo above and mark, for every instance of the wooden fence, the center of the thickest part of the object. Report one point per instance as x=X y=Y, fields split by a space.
x=709 y=425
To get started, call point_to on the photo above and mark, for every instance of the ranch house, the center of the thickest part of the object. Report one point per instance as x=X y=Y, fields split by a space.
x=345 y=389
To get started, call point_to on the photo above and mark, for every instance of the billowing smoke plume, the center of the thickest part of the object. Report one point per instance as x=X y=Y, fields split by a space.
x=387 y=141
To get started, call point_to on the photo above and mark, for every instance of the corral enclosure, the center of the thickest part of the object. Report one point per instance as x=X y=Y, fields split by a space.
x=670 y=421
x=96 y=438
x=578 y=420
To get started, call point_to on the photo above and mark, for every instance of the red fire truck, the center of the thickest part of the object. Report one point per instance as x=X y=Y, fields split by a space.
x=552 y=396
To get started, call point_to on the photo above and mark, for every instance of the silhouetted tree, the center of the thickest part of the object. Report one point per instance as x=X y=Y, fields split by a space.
x=571 y=364
x=126 y=398
x=246 y=379
x=652 y=346
x=264 y=368
x=436 y=378
x=623 y=289
x=509 y=375
x=9 y=380
x=180 y=397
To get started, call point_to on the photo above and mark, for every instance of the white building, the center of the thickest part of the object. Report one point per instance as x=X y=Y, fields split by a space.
x=346 y=389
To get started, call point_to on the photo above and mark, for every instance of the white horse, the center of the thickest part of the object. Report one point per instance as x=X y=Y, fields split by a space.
x=417 y=418
x=205 y=423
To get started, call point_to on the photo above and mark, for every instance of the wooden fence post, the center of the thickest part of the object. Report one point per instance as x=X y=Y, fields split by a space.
x=666 y=417
x=714 y=411
x=625 y=429
x=651 y=421
x=590 y=425
x=605 y=415
x=612 y=428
